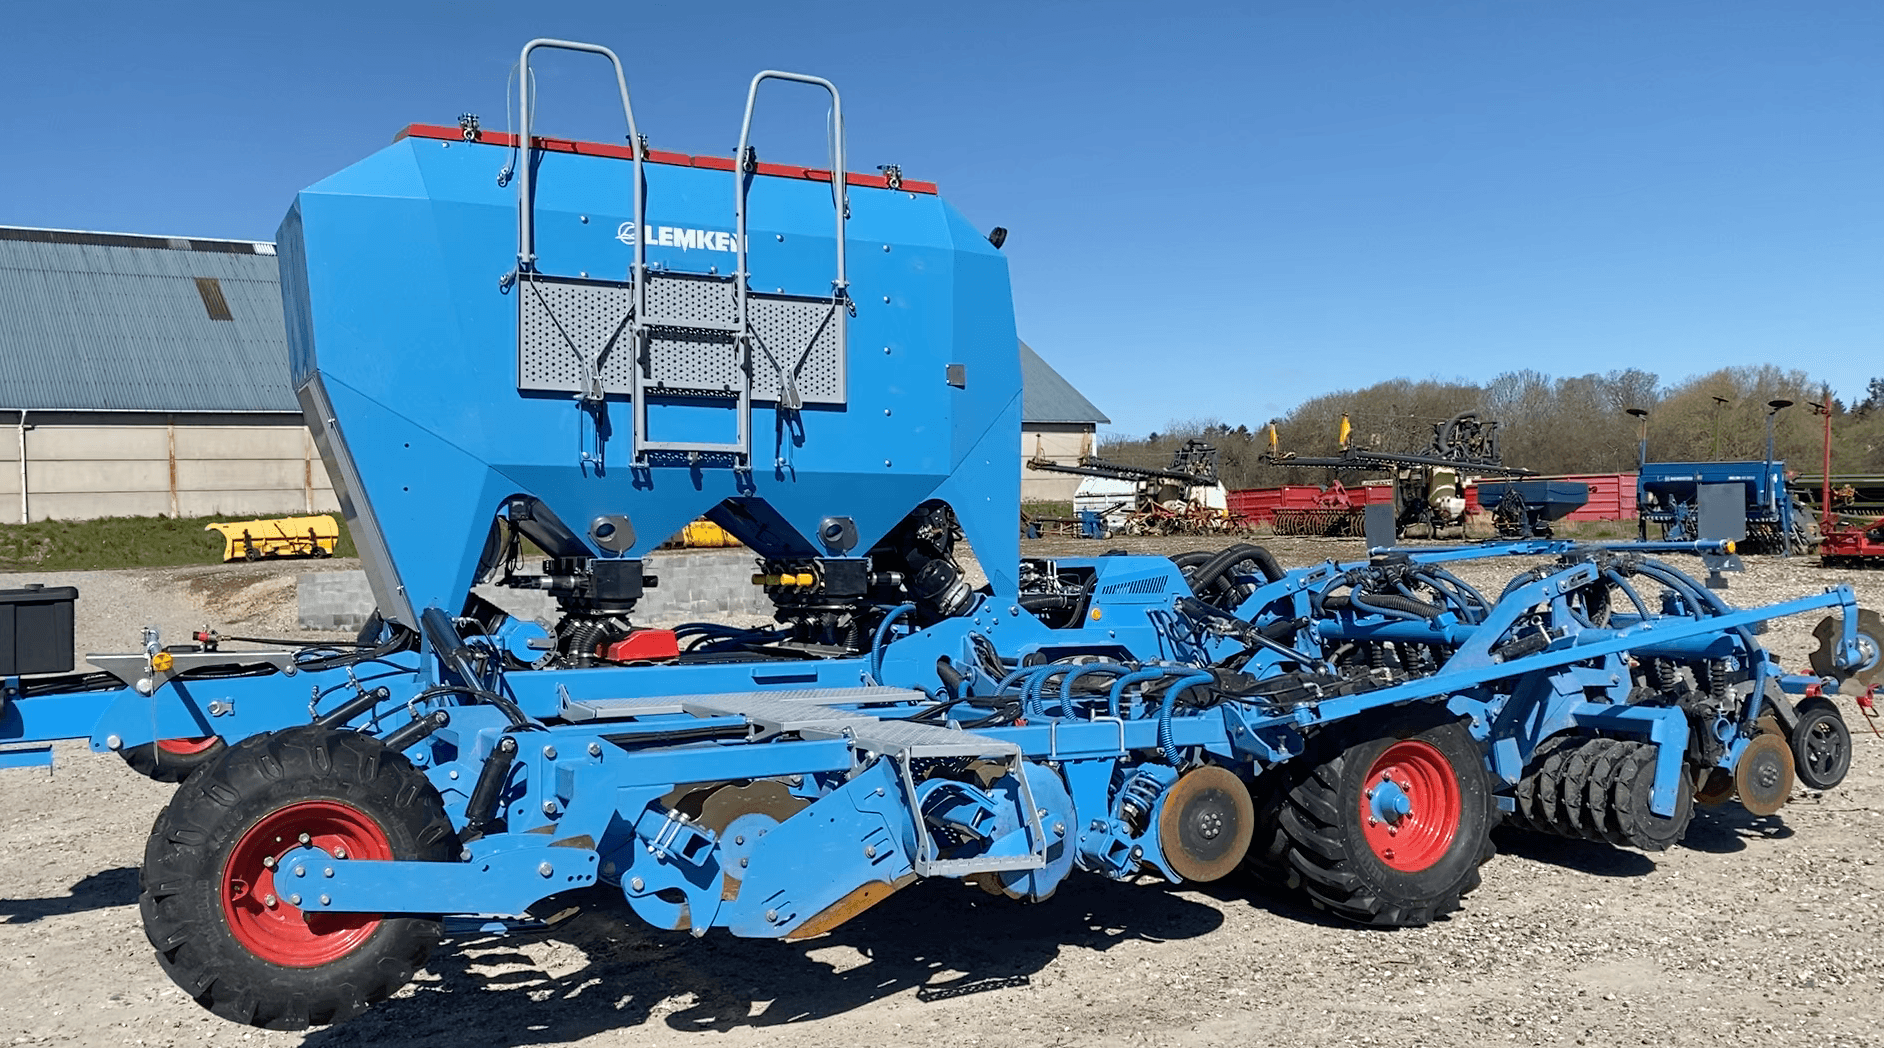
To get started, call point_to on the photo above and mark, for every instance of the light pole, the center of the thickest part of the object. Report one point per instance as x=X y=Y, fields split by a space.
x=1641 y=463
x=1777 y=486
x=1777 y=406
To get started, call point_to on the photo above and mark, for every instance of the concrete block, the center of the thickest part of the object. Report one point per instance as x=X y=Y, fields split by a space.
x=334 y=600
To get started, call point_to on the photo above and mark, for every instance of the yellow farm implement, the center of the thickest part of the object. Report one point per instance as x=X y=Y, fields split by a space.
x=279 y=537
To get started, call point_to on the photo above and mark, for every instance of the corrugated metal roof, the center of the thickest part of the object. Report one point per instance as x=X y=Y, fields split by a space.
x=115 y=322
x=118 y=322
x=1047 y=397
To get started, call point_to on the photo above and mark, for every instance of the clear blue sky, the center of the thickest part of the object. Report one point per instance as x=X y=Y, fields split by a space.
x=1214 y=211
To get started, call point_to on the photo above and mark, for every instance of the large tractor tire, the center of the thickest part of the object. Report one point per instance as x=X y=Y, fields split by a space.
x=209 y=900
x=172 y=760
x=1390 y=819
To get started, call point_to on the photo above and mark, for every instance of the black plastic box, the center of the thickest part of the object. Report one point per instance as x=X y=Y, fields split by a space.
x=36 y=630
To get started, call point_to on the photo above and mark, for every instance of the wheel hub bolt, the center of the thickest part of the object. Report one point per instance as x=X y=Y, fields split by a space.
x=295 y=899
x=305 y=839
x=328 y=872
x=270 y=901
x=340 y=853
x=326 y=900
x=300 y=871
x=268 y=862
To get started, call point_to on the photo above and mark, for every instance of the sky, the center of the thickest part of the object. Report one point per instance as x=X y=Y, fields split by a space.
x=1215 y=211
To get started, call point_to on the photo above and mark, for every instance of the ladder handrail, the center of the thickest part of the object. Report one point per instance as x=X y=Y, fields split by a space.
x=840 y=287
x=526 y=234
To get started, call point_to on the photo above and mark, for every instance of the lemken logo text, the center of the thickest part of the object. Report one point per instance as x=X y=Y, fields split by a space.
x=674 y=236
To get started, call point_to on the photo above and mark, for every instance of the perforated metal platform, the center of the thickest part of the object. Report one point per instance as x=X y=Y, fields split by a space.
x=810 y=713
x=651 y=705
x=692 y=320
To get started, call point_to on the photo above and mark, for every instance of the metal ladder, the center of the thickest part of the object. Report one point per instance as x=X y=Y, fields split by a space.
x=684 y=338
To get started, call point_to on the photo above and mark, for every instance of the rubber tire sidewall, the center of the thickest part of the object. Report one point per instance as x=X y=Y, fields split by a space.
x=155 y=764
x=1396 y=897
x=190 y=845
x=1809 y=710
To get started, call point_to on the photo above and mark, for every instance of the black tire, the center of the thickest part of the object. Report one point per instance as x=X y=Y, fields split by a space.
x=1268 y=856
x=248 y=956
x=1821 y=745
x=171 y=764
x=1329 y=846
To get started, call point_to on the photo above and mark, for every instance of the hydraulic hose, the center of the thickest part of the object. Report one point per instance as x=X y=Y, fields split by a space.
x=1066 y=686
x=883 y=631
x=1615 y=579
x=1167 y=731
x=1134 y=677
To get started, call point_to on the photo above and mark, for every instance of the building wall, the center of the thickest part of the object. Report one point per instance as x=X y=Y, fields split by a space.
x=1060 y=442
x=81 y=466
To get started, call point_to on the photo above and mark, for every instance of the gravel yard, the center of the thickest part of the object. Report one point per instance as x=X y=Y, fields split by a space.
x=1768 y=930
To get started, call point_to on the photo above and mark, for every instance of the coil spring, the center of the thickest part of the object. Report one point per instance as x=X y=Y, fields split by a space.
x=1137 y=797
x=1662 y=675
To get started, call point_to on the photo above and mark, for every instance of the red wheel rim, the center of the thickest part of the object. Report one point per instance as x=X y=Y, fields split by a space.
x=281 y=933
x=1415 y=833
x=187 y=747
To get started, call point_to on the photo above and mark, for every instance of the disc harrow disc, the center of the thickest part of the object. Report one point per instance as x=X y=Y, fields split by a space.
x=1870 y=671
x=1206 y=823
x=1715 y=788
x=1764 y=774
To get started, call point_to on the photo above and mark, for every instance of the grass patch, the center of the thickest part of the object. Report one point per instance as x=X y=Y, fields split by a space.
x=1058 y=510
x=119 y=542
x=1596 y=530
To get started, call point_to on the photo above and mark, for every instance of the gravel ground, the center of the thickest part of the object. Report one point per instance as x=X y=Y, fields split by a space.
x=1761 y=929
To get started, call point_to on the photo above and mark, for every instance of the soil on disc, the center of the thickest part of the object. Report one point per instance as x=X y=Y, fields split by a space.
x=1756 y=928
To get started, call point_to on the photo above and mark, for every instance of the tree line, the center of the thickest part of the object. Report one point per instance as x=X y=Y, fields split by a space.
x=1577 y=424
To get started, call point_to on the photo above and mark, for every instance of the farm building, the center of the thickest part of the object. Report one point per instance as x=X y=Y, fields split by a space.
x=146 y=376
x=1058 y=423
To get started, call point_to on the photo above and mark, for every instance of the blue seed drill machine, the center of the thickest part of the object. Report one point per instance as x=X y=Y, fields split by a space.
x=576 y=350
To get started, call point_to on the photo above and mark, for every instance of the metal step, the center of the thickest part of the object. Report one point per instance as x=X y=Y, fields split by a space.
x=652 y=705
x=904 y=739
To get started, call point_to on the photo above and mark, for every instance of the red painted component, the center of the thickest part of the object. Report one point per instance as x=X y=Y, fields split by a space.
x=643 y=646
x=782 y=170
x=654 y=156
x=282 y=933
x=1850 y=544
x=1260 y=504
x=187 y=747
x=1422 y=836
